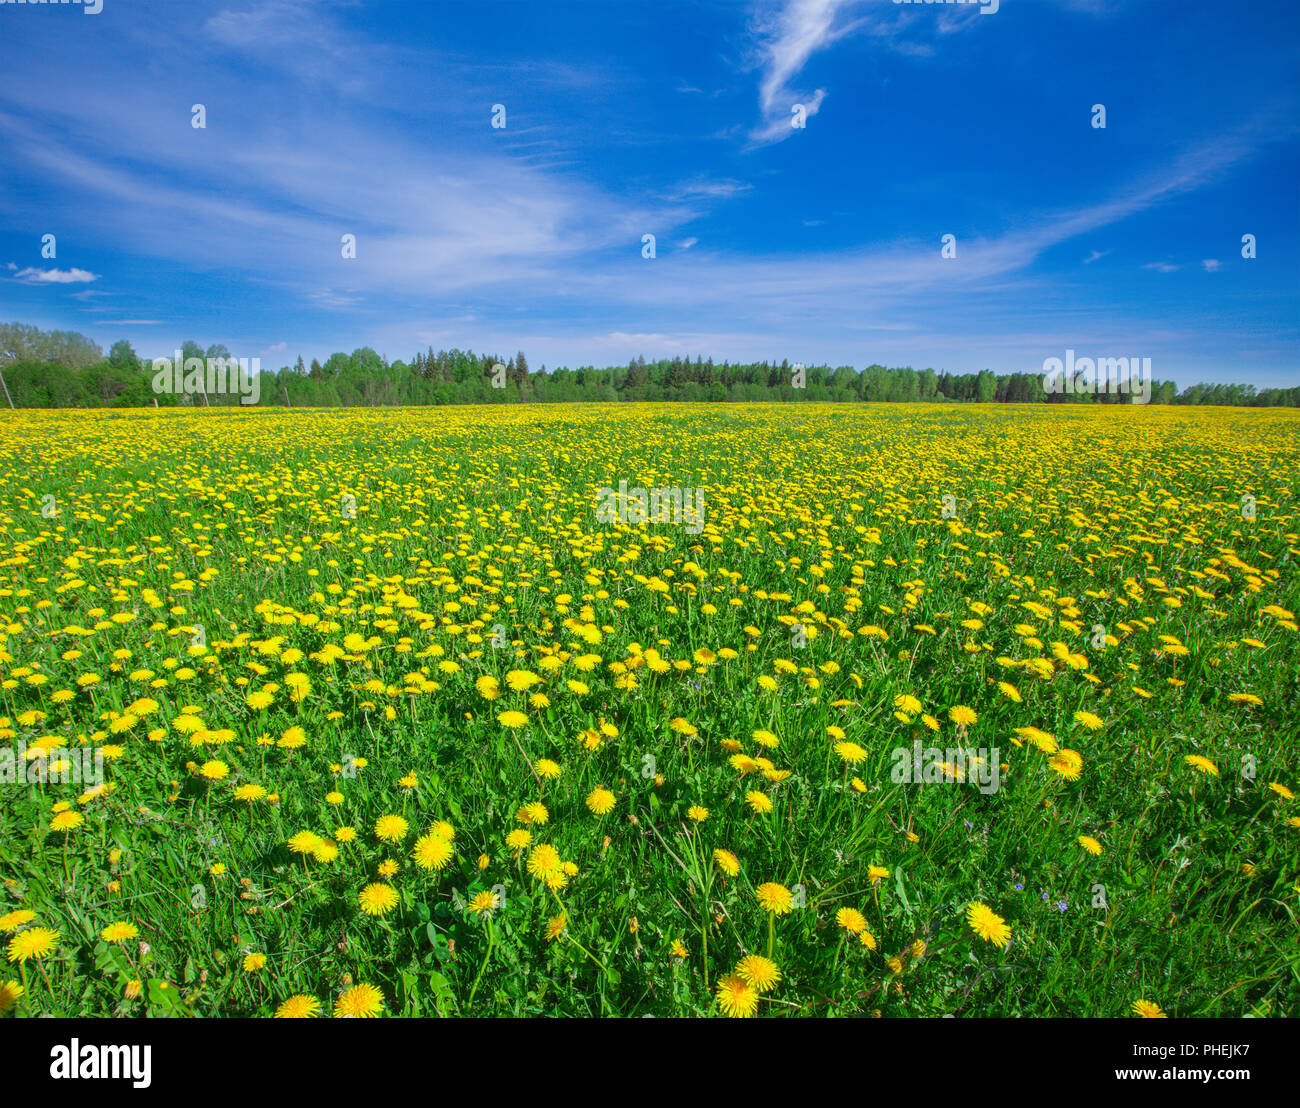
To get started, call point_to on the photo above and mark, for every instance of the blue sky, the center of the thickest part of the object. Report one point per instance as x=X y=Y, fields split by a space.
x=623 y=118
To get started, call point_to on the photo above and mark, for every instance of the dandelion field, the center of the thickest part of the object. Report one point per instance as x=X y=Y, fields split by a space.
x=390 y=723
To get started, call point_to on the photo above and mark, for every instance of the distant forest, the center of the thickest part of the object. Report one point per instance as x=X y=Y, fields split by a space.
x=62 y=369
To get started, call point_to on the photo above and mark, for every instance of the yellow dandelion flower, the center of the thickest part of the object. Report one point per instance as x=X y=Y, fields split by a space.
x=987 y=924
x=1147 y=1009
x=391 y=828
x=736 y=997
x=486 y=901
x=120 y=932
x=432 y=852
x=774 y=898
x=543 y=860
x=377 y=899
x=851 y=753
x=35 y=942
x=298 y=1007
x=600 y=800
x=851 y=920
x=10 y=993
x=761 y=973
x=1068 y=763
x=359 y=1002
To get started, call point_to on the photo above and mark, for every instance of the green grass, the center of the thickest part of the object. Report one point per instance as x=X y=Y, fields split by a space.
x=1100 y=515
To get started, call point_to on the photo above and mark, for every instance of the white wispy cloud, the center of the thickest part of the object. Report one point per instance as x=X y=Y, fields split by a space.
x=491 y=243
x=300 y=36
x=788 y=37
x=33 y=276
x=431 y=222
x=701 y=188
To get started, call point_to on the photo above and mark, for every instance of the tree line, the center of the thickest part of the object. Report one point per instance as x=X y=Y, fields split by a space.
x=61 y=369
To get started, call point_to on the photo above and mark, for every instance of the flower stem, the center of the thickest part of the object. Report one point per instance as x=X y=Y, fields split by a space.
x=483 y=966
